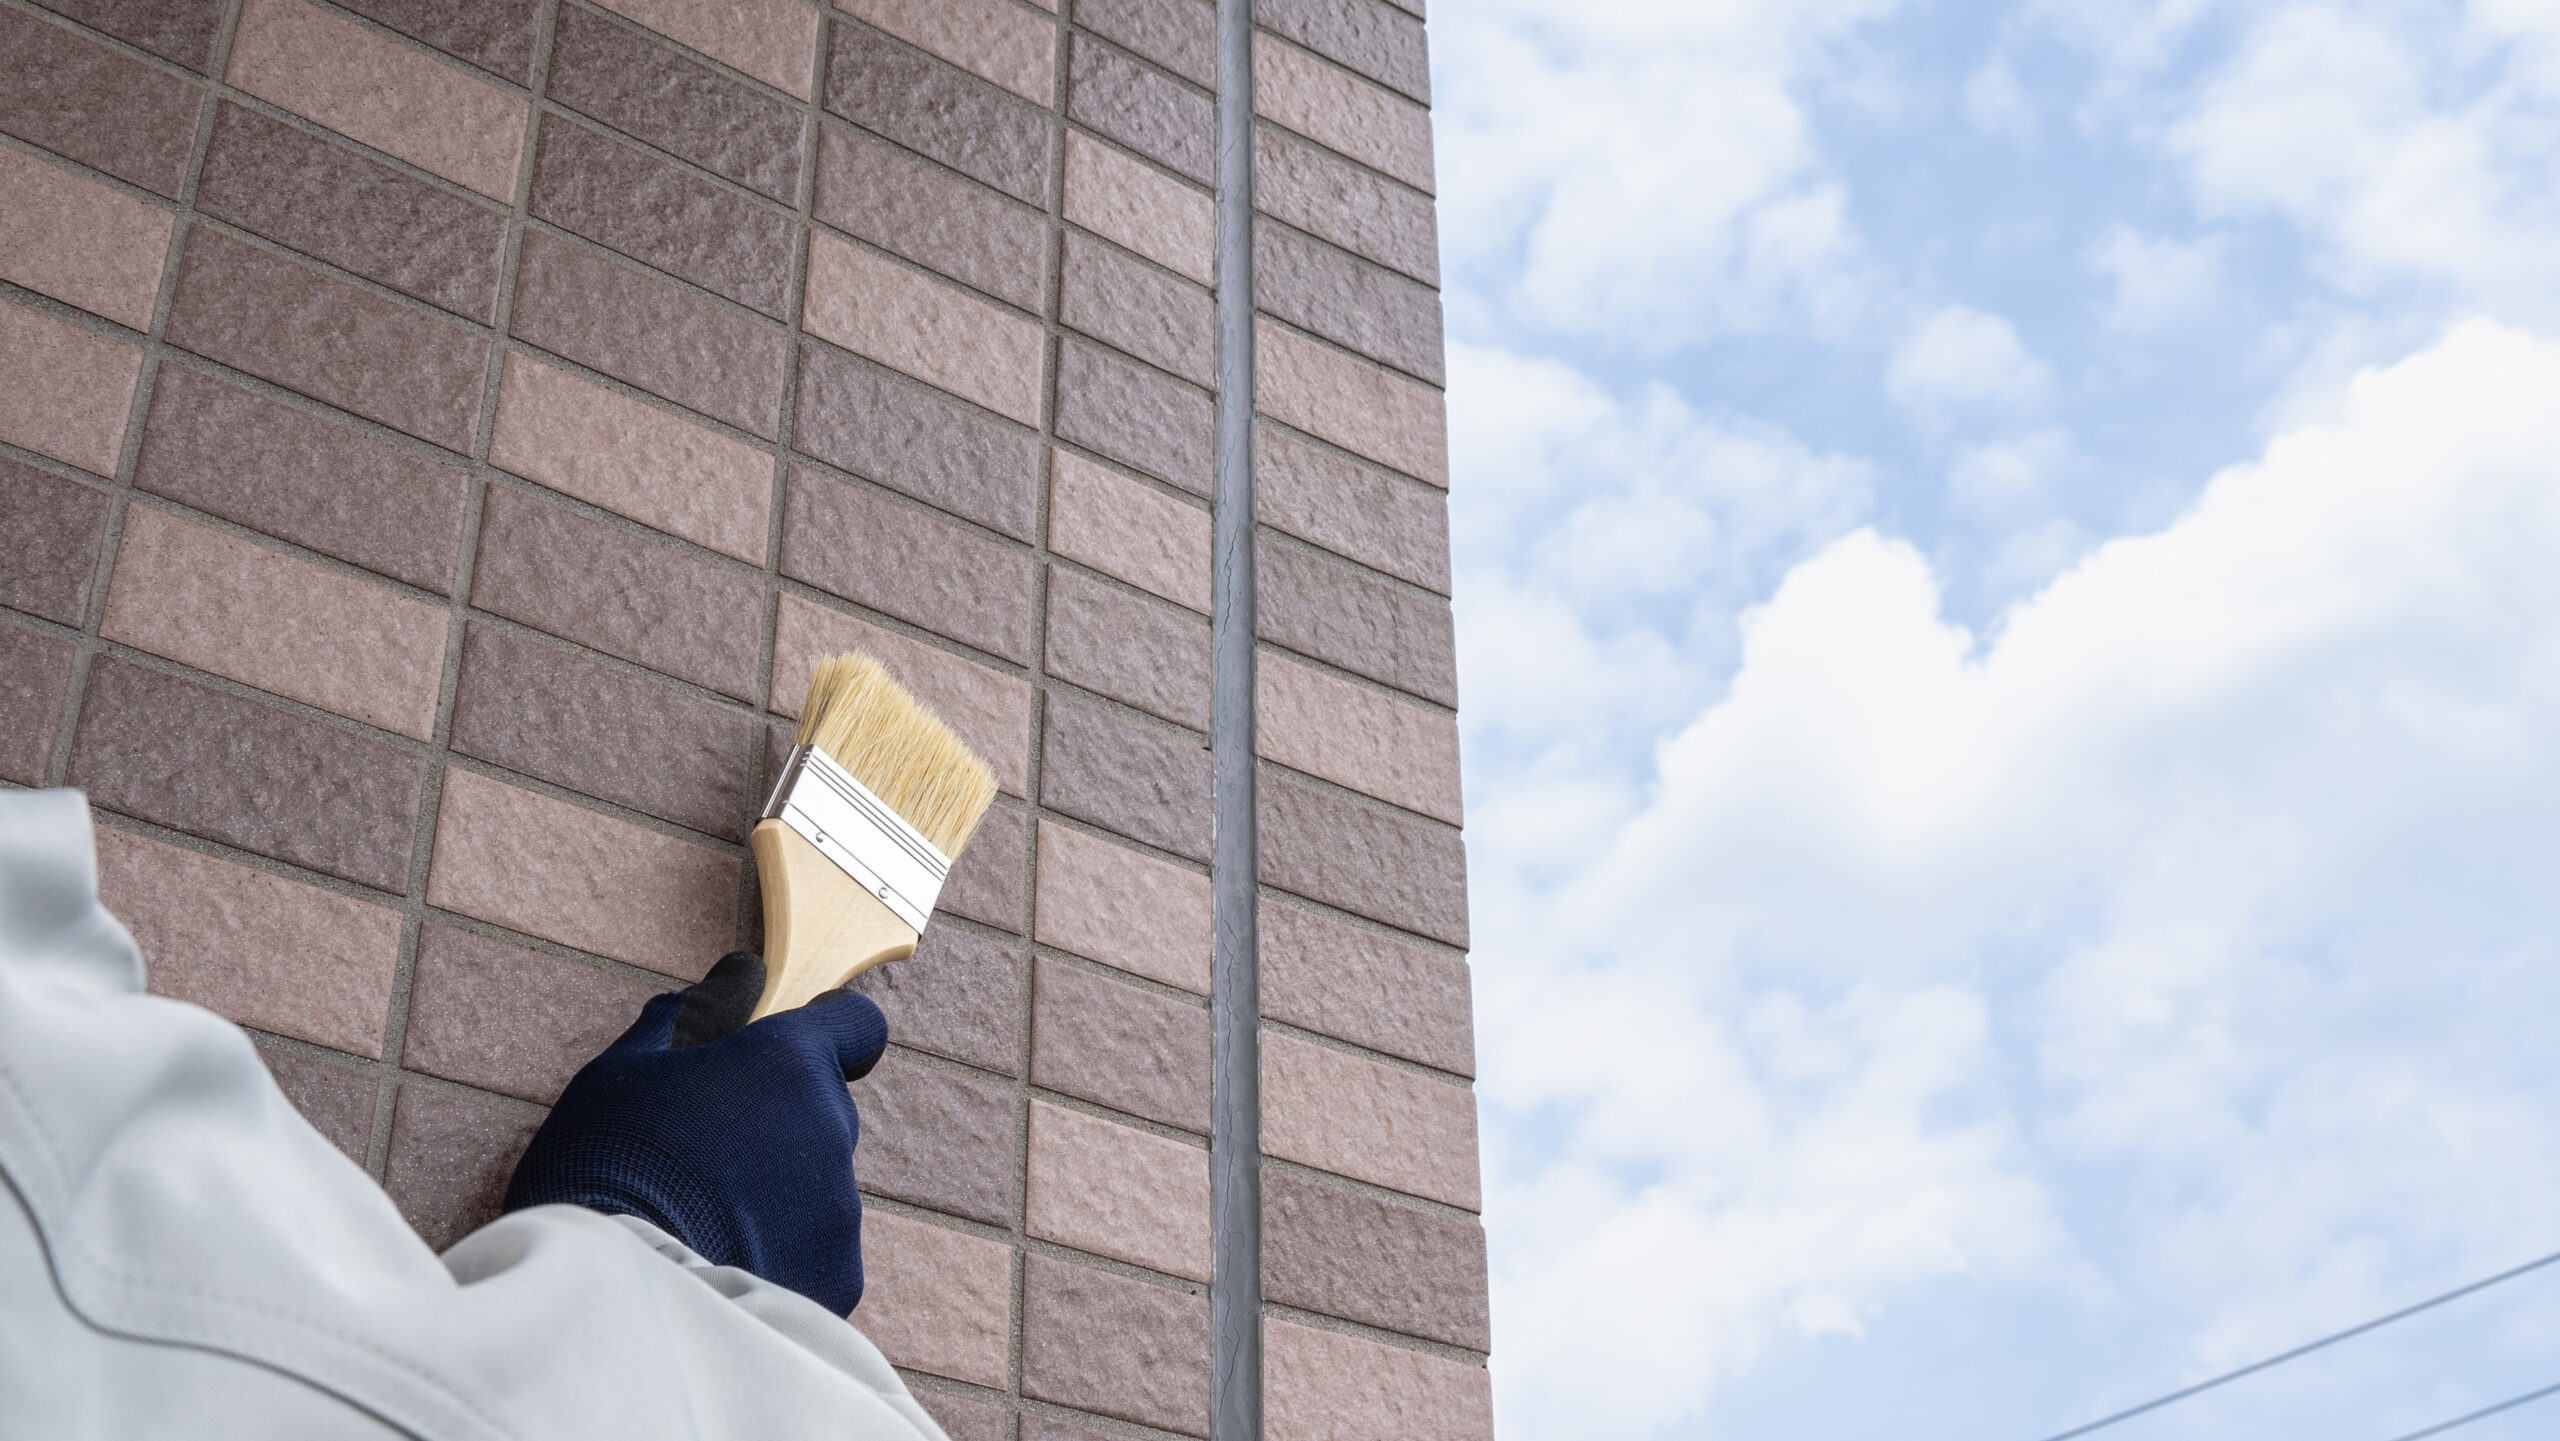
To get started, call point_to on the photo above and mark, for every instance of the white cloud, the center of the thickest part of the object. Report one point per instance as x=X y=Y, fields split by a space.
x=2218 y=869
x=1962 y=359
x=2158 y=283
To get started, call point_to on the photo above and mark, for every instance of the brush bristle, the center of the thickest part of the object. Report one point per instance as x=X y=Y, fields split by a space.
x=866 y=722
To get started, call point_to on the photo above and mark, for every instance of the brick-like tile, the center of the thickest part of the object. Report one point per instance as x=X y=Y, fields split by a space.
x=1132 y=648
x=965 y=1419
x=1118 y=1191
x=941 y=1138
x=578 y=723
x=1319 y=606
x=1043 y=1426
x=1331 y=1249
x=50 y=528
x=329 y=201
x=177 y=30
x=599 y=585
x=1147 y=421
x=991 y=880
x=1122 y=528
x=329 y=340
x=1375 y=517
x=1343 y=112
x=878 y=192
x=959 y=995
x=1356 y=405
x=1324 y=1386
x=35 y=679
x=662 y=337
x=1348 y=300
x=64 y=391
x=1369 y=1121
x=1355 y=208
x=280 y=955
x=510 y=1019
x=82 y=242
x=381 y=92
x=649 y=92
x=1125 y=776
x=337 y=1100
x=1386 y=865
x=776 y=41
x=986 y=708
x=247 y=775
x=82 y=100
x=1120 y=1045
x=1117 y=299
x=914 y=563
x=936 y=1300
x=936 y=332
x=514 y=858
x=1180 y=35
x=1325 y=974
x=450 y=1160
x=609 y=450
x=299 y=477
x=663 y=216
x=1116 y=1347
x=1153 y=214
x=1143 y=109
x=938 y=110
x=917 y=441
x=277 y=622
x=1381 y=745
x=1124 y=909
x=1379 y=40
x=993 y=39
x=496 y=35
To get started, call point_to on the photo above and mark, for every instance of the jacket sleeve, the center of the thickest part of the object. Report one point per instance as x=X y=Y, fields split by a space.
x=179 y=1201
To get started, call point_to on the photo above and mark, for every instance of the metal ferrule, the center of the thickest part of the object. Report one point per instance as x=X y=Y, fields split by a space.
x=856 y=829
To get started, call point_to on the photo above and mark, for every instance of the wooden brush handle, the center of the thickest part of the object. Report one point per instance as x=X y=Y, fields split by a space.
x=821 y=928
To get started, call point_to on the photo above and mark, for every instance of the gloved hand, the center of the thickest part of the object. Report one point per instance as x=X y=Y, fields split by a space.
x=735 y=1139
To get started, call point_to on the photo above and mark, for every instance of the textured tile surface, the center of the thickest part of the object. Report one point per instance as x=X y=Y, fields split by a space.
x=542 y=866
x=1116 y=298
x=1135 y=649
x=1379 y=519
x=938 y=110
x=1343 y=112
x=336 y=1099
x=1123 y=528
x=1180 y=35
x=35 y=679
x=1326 y=974
x=609 y=450
x=1383 y=745
x=1143 y=419
x=450 y=1160
x=986 y=708
x=1348 y=1253
x=991 y=881
x=82 y=100
x=937 y=1300
x=1142 y=108
x=893 y=555
x=331 y=202
x=662 y=215
x=994 y=39
x=1110 y=903
x=1117 y=1191
x=280 y=955
x=64 y=391
x=80 y=241
x=247 y=774
x=508 y=1018
x=1356 y=405
x=285 y=322
x=496 y=35
x=965 y=1419
x=1121 y=774
x=934 y=331
x=940 y=1137
x=1318 y=606
x=664 y=338
x=292 y=474
x=1348 y=300
x=903 y=203
x=1374 y=38
x=959 y=995
x=1115 y=1347
x=177 y=30
x=381 y=92
x=917 y=441
x=773 y=40
x=1144 y=209
x=1323 y=1386
x=647 y=90
x=1367 y=1120
x=277 y=622
x=1388 y=866
x=598 y=584
x=1120 y=1045
x=1354 y=207
x=50 y=528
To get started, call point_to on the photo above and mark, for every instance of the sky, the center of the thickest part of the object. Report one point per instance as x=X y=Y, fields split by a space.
x=2008 y=593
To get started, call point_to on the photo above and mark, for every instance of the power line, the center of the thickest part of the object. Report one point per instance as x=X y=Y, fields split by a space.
x=2297 y=1352
x=2483 y=1414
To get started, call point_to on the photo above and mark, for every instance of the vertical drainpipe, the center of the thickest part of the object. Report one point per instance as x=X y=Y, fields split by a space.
x=1235 y=1004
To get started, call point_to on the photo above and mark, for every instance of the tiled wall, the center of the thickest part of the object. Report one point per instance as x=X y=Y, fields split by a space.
x=435 y=441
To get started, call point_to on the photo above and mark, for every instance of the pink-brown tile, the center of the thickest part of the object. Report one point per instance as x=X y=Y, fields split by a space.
x=928 y=328
x=64 y=391
x=277 y=622
x=937 y=1300
x=1357 y=405
x=1399 y=750
x=1367 y=1120
x=609 y=450
x=82 y=242
x=1108 y=902
x=994 y=39
x=1143 y=208
x=1124 y=528
x=776 y=41
x=1325 y=1386
x=989 y=710
x=1118 y=1191
x=1343 y=112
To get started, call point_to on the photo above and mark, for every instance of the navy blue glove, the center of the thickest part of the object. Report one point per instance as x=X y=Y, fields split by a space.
x=735 y=1139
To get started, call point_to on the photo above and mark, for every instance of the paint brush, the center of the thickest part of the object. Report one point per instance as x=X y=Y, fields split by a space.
x=874 y=802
